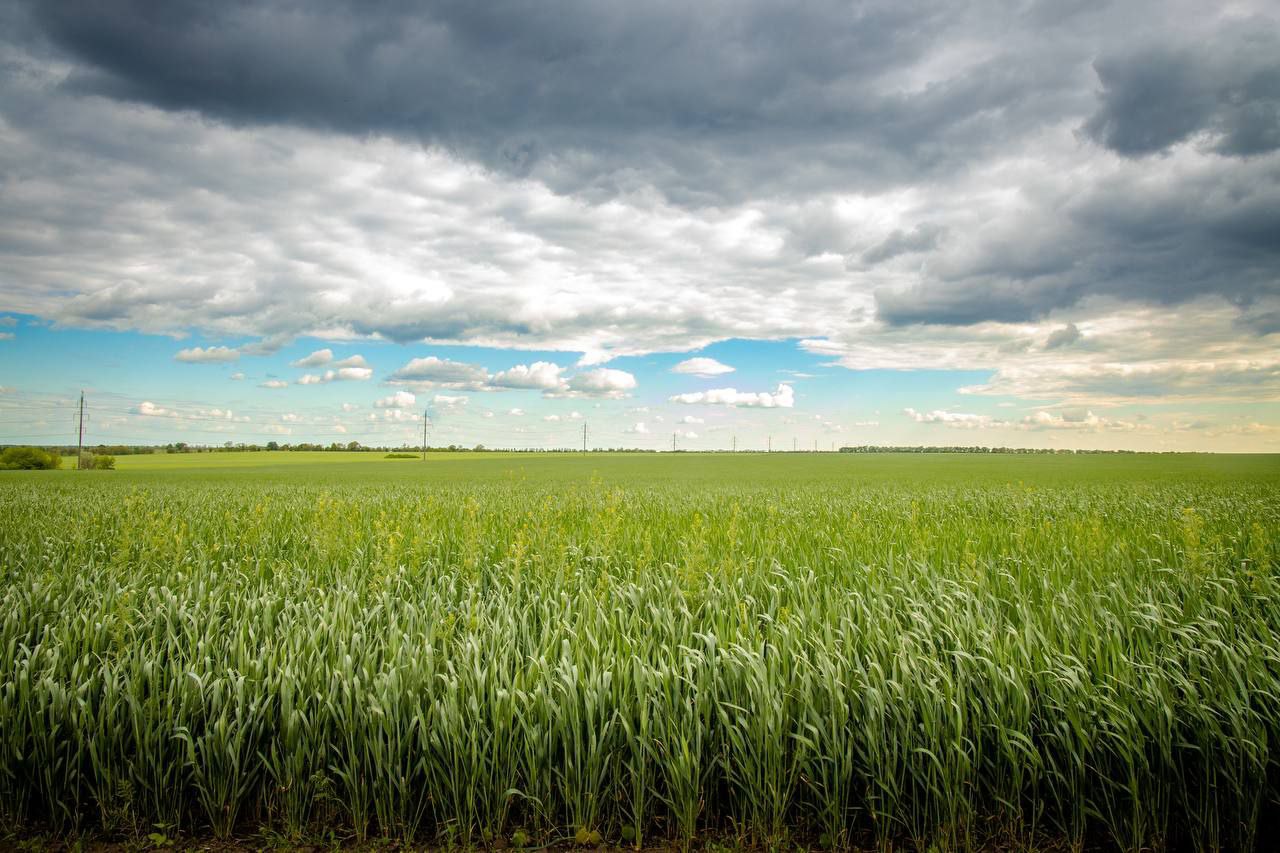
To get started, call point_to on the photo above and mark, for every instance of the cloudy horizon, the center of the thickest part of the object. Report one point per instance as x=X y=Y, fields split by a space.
x=1025 y=224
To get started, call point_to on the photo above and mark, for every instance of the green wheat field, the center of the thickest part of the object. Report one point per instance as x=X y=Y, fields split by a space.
x=907 y=652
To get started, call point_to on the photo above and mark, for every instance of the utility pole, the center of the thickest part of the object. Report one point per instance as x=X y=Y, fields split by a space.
x=673 y=442
x=815 y=445
x=584 y=436
x=769 y=445
x=735 y=444
x=425 y=421
x=80 y=440
x=793 y=444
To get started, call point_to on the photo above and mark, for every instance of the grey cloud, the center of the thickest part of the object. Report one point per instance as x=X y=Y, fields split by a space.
x=961 y=304
x=1262 y=319
x=1063 y=337
x=1156 y=239
x=1226 y=85
x=300 y=168
x=1201 y=381
x=919 y=239
x=706 y=101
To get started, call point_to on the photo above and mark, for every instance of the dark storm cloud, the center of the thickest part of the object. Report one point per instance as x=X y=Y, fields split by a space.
x=706 y=101
x=1226 y=86
x=773 y=170
x=1158 y=240
x=920 y=239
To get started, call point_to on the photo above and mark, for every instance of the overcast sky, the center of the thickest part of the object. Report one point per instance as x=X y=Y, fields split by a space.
x=1047 y=224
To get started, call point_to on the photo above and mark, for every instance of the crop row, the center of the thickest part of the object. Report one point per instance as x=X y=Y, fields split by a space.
x=875 y=666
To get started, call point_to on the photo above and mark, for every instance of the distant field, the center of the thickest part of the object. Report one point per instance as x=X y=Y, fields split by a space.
x=716 y=468
x=816 y=649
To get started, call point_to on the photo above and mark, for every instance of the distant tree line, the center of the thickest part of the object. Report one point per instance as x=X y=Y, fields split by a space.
x=20 y=458
x=882 y=448
x=345 y=447
x=28 y=459
x=111 y=450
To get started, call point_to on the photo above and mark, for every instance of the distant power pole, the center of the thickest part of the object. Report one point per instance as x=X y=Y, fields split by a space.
x=584 y=436
x=424 y=436
x=769 y=446
x=673 y=442
x=735 y=444
x=80 y=440
x=815 y=445
x=793 y=444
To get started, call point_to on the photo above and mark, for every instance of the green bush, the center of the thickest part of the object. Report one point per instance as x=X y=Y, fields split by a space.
x=28 y=459
x=103 y=462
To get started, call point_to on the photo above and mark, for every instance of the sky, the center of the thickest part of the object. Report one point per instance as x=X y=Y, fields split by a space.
x=754 y=224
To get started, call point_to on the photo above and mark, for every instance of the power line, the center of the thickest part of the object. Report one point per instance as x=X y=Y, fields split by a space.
x=123 y=421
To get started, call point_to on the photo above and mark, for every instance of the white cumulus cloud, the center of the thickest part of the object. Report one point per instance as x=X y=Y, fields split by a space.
x=601 y=382
x=200 y=355
x=541 y=375
x=432 y=372
x=398 y=400
x=318 y=358
x=955 y=420
x=446 y=401
x=150 y=409
x=701 y=366
x=783 y=397
x=342 y=374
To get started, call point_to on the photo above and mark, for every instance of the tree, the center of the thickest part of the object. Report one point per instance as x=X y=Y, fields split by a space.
x=28 y=459
x=273 y=445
